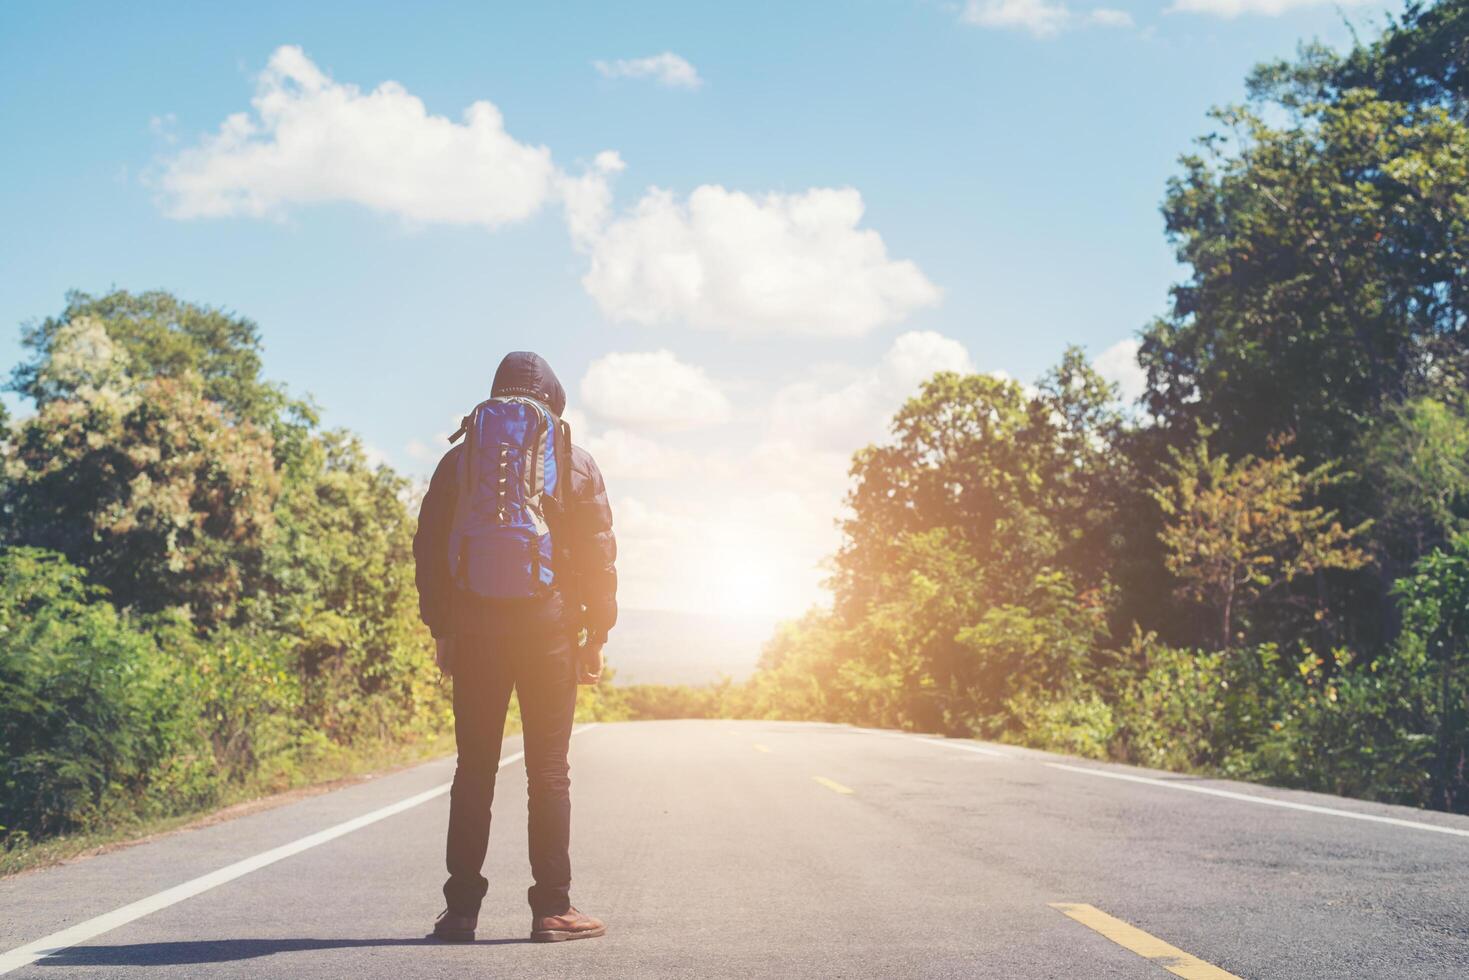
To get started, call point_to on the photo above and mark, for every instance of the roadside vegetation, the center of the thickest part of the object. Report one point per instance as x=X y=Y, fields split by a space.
x=1261 y=569
x=203 y=594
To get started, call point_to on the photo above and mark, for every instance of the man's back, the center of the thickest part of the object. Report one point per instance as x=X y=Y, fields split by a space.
x=493 y=646
x=586 y=578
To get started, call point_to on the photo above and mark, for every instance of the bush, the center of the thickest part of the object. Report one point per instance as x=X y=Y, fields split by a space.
x=1082 y=724
x=96 y=724
x=1170 y=706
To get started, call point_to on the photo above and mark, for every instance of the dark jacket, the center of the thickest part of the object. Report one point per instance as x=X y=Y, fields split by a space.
x=586 y=579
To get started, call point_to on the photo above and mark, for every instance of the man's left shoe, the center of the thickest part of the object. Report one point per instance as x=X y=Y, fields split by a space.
x=455 y=927
x=570 y=924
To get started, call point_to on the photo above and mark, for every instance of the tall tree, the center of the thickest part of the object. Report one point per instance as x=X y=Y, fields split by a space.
x=159 y=336
x=1330 y=274
x=1238 y=531
x=151 y=486
x=1416 y=463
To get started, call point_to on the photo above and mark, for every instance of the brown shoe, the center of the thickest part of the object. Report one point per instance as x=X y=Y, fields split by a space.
x=570 y=924
x=455 y=927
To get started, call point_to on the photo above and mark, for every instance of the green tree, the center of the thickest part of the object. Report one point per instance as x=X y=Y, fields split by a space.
x=96 y=723
x=338 y=581
x=1417 y=60
x=1021 y=481
x=1329 y=262
x=1435 y=601
x=1238 y=531
x=1042 y=646
x=1416 y=460
x=253 y=609
x=163 y=499
x=159 y=336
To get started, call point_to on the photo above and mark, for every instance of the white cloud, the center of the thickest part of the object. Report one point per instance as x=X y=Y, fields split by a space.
x=846 y=408
x=725 y=260
x=313 y=140
x=1041 y=18
x=667 y=69
x=1229 y=9
x=652 y=391
x=915 y=356
x=718 y=259
x=621 y=454
x=1118 y=364
x=588 y=198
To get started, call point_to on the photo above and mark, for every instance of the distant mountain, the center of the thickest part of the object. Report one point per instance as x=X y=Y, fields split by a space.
x=650 y=646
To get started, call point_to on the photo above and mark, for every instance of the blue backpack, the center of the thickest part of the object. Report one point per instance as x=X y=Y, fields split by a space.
x=513 y=475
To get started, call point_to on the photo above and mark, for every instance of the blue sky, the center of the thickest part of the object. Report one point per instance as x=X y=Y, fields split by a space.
x=728 y=327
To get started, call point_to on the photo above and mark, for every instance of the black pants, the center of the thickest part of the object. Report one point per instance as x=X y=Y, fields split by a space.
x=532 y=654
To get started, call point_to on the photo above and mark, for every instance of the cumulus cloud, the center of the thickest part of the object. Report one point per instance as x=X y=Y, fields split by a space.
x=628 y=455
x=844 y=408
x=1118 y=364
x=716 y=259
x=667 y=69
x=726 y=260
x=1040 y=18
x=652 y=391
x=311 y=140
x=1229 y=9
x=588 y=198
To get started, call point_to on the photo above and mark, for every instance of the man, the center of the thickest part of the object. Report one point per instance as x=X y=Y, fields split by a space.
x=491 y=645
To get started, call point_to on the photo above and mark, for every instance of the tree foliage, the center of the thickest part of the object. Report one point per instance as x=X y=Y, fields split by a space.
x=95 y=720
x=155 y=335
x=205 y=579
x=1329 y=263
x=1037 y=565
x=1238 y=531
x=152 y=489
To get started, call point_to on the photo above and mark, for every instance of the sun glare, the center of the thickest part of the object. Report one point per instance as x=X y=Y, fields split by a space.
x=748 y=586
x=741 y=576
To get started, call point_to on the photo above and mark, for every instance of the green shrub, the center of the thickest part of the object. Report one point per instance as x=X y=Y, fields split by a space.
x=1169 y=710
x=96 y=725
x=1081 y=724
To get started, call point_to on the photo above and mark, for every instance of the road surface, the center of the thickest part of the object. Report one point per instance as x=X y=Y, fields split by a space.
x=766 y=849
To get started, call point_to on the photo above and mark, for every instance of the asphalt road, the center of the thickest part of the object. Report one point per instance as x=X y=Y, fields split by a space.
x=761 y=849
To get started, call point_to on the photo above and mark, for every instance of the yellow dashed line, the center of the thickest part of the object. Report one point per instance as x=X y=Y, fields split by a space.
x=761 y=748
x=1149 y=947
x=833 y=785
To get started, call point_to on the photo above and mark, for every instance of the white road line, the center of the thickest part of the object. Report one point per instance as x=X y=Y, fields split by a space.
x=83 y=931
x=1263 y=800
x=959 y=744
x=966 y=747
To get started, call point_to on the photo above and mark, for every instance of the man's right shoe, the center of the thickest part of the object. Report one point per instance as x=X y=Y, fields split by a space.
x=570 y=924
x=455 y=927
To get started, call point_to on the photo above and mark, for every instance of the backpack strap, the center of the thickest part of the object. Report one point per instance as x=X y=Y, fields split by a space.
x=536 y=461
x=462 y=501
x=563 y=461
